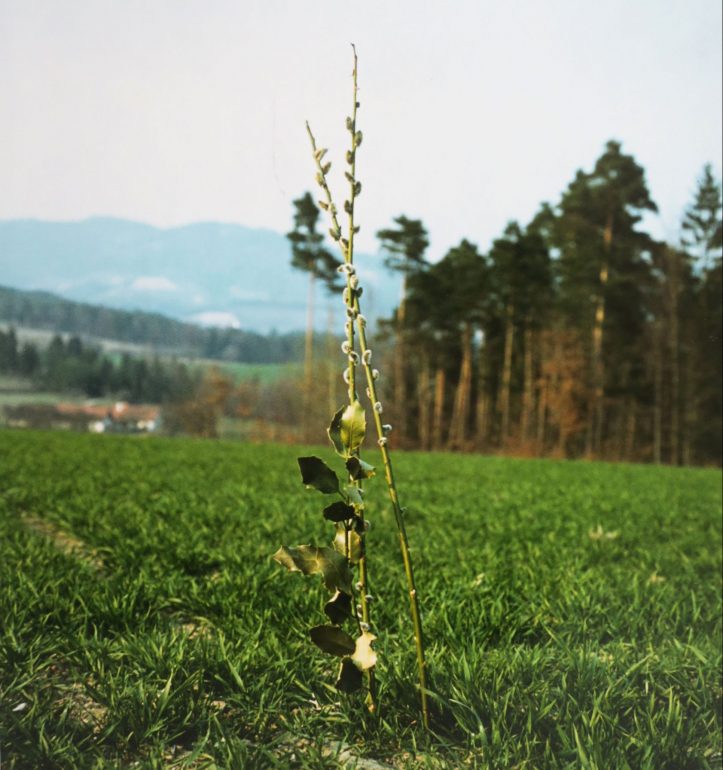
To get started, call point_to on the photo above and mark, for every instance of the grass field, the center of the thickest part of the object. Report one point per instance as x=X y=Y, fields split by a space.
x=572 y=612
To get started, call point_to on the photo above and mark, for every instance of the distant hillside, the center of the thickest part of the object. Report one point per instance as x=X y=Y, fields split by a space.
x=209 y=273
x=42 y=310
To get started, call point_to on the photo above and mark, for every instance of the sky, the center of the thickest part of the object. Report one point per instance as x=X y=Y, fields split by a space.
x=473 y=111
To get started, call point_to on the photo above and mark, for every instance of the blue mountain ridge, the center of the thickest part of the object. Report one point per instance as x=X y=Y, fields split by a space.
x=207 y=272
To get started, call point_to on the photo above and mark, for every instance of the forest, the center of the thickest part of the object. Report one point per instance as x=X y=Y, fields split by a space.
x=575 y=335
x=42 y=310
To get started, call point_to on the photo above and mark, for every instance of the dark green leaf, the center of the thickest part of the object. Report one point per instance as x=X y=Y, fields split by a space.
x=350 y=678
x=338 y=608
x=334 y=432
x=338 y=511
x=317 y=474
x=358 y=469
x=333 y=640
x=310 y=560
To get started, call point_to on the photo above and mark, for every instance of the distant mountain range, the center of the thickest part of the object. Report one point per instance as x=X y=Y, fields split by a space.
x=208 y=273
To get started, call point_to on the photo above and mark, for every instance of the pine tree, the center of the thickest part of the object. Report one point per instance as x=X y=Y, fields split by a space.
x=603 y=257
x=405 y=246
x=702 y=229
x=310 y=255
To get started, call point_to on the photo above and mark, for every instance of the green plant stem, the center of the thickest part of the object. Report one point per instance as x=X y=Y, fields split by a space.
x=348 y=253
x=399 y=518
x=352 y=302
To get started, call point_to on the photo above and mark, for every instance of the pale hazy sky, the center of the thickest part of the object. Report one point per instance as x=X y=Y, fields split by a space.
x=473 y=112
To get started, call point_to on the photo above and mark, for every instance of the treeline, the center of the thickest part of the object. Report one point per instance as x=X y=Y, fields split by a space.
x=41 y=310
x=75 y=367
x=576 y=335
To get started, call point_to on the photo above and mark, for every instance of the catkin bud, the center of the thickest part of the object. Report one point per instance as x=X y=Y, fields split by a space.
x=349 y=124
x=378 y=408
x=348 y=207
x=349 y=157
x=345 y=376
x=319 y=154
x=326 y=168
x=375 y=374
x=358 y=139
x=345 y=347
x=357 y=188
x=364 y=626
x=382 y=441
x=354 y=282
x=349 y=177
x=320 y=179
x=345 y=295
x=387 y=428
x=362 y=319
x=335 y=233
x=324 y=205
x=354 y=357
x=367 y=354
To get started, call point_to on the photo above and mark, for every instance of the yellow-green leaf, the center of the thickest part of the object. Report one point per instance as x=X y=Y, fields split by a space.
x=310 y=560
x=353 y=426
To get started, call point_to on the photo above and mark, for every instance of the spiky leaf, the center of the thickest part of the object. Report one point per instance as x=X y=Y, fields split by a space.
x=310 y=560
x=364 y=657
x=350 y=678
x=353 y=427
x=354 y=495
x=317 y=474
x=333 y=640
x=358 y=469
x=338 y=608
x=356 y=546
x=338 y=511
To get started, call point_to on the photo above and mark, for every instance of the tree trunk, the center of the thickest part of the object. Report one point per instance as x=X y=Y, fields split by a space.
x=630 y=427
x=400 y=390
x=595 y=426
x=332 y=371
x=542 y=397
x=674 y=342
x=527 y=393
x=439 y=387
x=308 y=358
x=460 y=413
x=482 y=411
x=425 y=422
x=658 y=398
x=507 y=375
